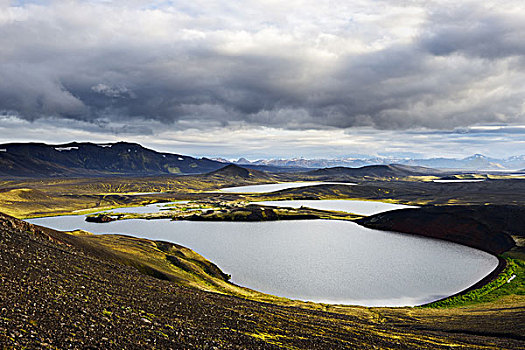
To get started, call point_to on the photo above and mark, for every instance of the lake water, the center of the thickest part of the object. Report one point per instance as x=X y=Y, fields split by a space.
x=458 y=180
x=150 y=208
x=317 y=260
x=349 y=206
x=278 y=187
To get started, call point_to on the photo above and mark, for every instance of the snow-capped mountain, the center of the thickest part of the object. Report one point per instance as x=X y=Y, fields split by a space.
x=474 y=162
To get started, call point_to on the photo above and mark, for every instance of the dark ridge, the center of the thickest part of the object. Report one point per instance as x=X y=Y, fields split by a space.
x=232 y=170
x=485 y=227
x=377 y=171
x=235 y=171
x=39 y=160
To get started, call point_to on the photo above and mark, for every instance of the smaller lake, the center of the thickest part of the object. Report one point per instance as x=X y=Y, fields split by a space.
x=139 y=193
x=278 y=187
x=146 y=209
x=459 y=180
x=348 y=206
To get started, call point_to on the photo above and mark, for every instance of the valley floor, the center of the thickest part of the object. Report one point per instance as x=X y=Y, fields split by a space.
x=61 y=291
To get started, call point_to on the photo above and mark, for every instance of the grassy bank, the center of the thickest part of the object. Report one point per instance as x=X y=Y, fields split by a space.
x=511 y=281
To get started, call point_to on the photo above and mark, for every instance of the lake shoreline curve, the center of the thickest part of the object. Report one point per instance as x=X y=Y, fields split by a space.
x=481 y=283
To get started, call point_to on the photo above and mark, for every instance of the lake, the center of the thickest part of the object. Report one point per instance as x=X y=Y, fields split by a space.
x=278 y=187
x=318 y=260
x=150 y=208
x=458 y=181
x=346 y=205
x=349 y=206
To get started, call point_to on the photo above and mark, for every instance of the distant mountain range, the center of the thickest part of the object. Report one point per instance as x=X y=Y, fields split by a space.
x=131 y=159
x=475 y=162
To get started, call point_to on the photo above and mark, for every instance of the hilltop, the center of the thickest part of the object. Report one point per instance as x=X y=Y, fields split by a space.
x=233 y=171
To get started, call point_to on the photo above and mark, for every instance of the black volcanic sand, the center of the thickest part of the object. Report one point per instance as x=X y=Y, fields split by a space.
x=54 y=296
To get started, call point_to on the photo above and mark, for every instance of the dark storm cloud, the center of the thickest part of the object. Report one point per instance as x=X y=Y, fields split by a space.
x=476 y=33
x=110 y=62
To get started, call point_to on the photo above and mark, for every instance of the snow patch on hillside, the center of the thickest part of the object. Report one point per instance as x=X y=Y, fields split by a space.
x=61 y=149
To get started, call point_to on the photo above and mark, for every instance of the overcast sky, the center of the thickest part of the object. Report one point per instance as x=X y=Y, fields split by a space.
x=266 y=79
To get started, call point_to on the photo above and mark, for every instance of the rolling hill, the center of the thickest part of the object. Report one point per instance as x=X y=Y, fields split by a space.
x=376 y=171
x=235 y=171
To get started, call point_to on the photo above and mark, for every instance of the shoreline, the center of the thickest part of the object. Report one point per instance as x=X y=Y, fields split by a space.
x=493 y=275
